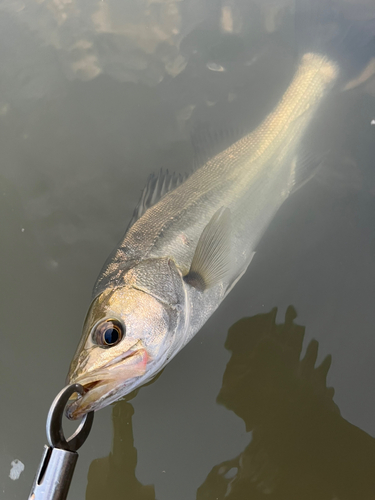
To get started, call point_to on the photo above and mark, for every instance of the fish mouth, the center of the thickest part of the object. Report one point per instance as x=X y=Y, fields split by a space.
x=107 y=384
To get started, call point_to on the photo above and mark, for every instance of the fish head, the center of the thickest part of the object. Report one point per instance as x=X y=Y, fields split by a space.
x=127 y=338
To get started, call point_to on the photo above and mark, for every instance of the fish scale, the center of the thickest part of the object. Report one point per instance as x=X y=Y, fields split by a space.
x=258 y=164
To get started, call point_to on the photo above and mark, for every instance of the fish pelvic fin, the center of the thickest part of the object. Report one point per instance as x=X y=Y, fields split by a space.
x=236 y=278
x=212 y=257
x=304 y=167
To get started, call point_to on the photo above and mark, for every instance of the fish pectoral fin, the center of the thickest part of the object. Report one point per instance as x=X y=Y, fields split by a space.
x=212 y=257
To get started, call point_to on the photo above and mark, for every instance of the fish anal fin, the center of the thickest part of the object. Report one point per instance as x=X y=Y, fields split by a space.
x=212 y=257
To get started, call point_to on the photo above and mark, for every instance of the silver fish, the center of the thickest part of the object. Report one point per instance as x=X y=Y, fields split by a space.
x=188 y=244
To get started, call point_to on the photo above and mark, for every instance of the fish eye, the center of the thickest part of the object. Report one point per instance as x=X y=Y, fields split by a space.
x=108 y=333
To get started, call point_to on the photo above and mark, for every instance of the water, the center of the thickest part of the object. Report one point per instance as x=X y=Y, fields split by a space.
x=93 y=98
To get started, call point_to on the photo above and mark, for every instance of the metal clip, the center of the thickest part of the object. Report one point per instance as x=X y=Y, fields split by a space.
x=55 y=472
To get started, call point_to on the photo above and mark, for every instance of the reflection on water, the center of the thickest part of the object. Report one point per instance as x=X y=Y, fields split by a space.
x=114 y=476
x=301 y=447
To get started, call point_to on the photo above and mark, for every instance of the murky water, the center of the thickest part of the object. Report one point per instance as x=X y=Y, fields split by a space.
x=93 y=98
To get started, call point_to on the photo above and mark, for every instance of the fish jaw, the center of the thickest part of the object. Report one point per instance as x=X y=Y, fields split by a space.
x=109 y=383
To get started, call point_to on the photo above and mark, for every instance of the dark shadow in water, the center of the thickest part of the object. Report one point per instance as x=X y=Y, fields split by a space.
x=113 y=477
x=301 y=447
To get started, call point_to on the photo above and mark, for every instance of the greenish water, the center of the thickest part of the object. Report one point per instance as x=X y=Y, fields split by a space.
x=93 y=98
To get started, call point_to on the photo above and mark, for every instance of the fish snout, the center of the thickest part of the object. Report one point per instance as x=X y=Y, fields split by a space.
x=106 y=384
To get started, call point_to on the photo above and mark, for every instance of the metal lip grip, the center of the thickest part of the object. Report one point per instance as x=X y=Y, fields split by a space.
x=55 y=471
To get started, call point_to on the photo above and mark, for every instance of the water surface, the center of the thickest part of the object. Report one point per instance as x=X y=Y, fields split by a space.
x=93 y=98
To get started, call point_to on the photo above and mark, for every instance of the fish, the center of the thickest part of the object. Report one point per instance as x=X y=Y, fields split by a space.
x=189 y=242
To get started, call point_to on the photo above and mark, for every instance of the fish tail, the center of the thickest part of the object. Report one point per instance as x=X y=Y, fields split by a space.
x=345 y=35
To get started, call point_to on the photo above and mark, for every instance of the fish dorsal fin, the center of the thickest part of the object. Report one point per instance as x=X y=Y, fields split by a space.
x=157 y=186
x=212 y=257
x=207 y=142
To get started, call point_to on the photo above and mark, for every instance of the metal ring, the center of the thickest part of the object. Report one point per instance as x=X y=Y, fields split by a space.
x=55 y=433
